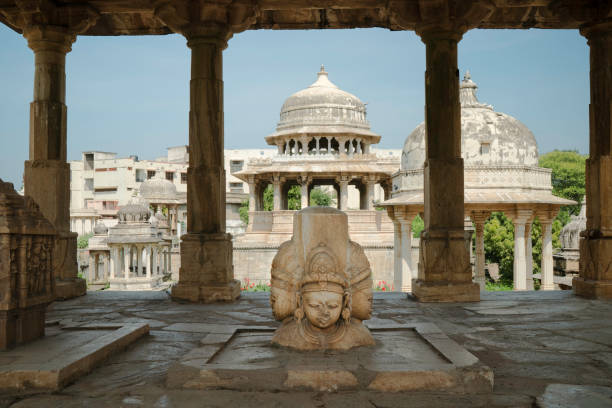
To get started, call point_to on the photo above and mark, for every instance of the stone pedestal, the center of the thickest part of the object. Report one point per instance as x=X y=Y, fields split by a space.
x=595 y=279
x=206 y=273
x=445 y=273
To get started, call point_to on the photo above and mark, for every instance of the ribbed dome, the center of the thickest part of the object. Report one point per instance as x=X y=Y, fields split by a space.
x=487 y=137
x=322 y=103
x=157 y=188
x=135 y=211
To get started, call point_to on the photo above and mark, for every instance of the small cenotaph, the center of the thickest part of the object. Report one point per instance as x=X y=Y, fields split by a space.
x=321 y=286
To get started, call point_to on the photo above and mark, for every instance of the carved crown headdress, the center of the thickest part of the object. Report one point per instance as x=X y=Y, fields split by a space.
x=322 y=268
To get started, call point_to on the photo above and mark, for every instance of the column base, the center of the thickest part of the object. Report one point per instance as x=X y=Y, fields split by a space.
x=227 y=292
x=592 y=289
x=595 y=280
x=445 y=291
x=207 y=273
x=18 y=326
x=68 y=289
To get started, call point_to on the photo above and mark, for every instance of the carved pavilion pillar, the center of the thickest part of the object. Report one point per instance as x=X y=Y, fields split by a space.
x=595 y=280
x=343 y=182
x=479 y=218
x=277 y=199
x=546 y=218
x=520 y=218
x=47 y=174
x=406 y=251
x=528 y=256
x=446 y=274
x=206 y=273
x=252 y=194
x=370 y=184
x=304 y=182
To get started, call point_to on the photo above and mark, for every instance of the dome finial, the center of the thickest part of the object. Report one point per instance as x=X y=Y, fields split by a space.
x=467 y=75
x=322 y=72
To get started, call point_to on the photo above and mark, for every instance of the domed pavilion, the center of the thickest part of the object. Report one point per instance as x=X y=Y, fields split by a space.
x=139 y=248
x=159 y=193
x=323 y=139
x=501 y=173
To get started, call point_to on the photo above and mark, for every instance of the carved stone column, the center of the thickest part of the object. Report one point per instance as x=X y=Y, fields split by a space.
x=47 y=174
x=397 y=253
x=252 y=194
x=479 y=218
x=276 y=183
x=343 y=182
x=446 y=274
x=370 y=184
x=528 y=256
x=520 y=218
x=595 y=280
x=405 y=219
x=304 y=181
x=547 y=254
x=206 y=273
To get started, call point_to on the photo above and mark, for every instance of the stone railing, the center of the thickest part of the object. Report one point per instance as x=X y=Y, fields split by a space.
x=480 y=177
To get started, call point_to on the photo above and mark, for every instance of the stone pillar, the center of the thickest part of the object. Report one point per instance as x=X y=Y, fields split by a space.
x=206 y=273
x=140 y=260
x=304 y=196
x=446 y=274
x=520 y=218
x=479 y=218
x=397 y=254
x=126 y=261
x=90 y=267
x=252 y=194
x=343 y=182
x=148 y=263
x=528 y=257
x=276 y=182
x=406 y=245
x=317 y=144
x=279 y=146
x=47 y=174
x=113 y=262
x=547 y=254
x=370 y=184
x=595 y=280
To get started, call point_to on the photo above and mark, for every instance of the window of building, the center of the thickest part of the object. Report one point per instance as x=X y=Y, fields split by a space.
x=140 y=175
x=89 y=184
x=109 y=205
x=183 y=178
x=236 y=165
x=170 y=175
x=89 y=161
x=485 y=148
x=236 y=187
x=150 y=174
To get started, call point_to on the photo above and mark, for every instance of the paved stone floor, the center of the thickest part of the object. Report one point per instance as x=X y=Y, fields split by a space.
x=546 y=349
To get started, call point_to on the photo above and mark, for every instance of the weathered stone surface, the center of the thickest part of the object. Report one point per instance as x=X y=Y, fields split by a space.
x=64 y=355
x=405 y=358
x=317 y=277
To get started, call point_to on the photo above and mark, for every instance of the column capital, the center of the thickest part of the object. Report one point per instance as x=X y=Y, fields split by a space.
x=344 y=179
x=479 y=217
x=597 y=30
x=546 y=216
x=520 y=216
x=304 y=178
x=202 y=20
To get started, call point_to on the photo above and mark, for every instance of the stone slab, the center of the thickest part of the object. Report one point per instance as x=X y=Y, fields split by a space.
x=572 y=396
x=66 y=353
x=415 y=356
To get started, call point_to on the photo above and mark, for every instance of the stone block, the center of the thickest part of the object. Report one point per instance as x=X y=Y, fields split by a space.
x=206 y=273
x=445 y=291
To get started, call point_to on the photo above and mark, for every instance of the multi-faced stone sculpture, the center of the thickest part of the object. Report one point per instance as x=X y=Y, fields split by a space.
x=321 y=286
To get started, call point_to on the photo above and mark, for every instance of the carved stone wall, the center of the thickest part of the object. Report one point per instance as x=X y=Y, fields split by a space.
x=27 y=286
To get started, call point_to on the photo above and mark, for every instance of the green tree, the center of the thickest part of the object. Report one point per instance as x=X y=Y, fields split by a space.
x=320 y=198
x=568 y=180
x=418 y=225
x=83 y=240
x=499 y=244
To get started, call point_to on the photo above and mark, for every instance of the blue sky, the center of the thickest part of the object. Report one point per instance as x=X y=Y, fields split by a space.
x=130 y=95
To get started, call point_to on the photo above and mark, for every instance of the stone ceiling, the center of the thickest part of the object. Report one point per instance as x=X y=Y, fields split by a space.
x=141 y=17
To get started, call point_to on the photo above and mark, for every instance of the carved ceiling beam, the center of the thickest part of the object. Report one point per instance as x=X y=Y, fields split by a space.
x=29 y=14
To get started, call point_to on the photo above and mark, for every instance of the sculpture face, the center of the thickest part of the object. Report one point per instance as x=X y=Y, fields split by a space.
x=282 y=302
x=362 y=304
x=323 y=308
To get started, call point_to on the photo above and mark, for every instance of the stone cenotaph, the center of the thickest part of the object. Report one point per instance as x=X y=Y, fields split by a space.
x=321 y=286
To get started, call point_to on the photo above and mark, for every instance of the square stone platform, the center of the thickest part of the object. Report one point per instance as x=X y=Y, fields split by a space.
x=63 y=355
x=409 y=357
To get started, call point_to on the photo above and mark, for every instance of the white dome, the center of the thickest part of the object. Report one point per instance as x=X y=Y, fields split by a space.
x=157 y=188
x=323 y=107
x=487 y=137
